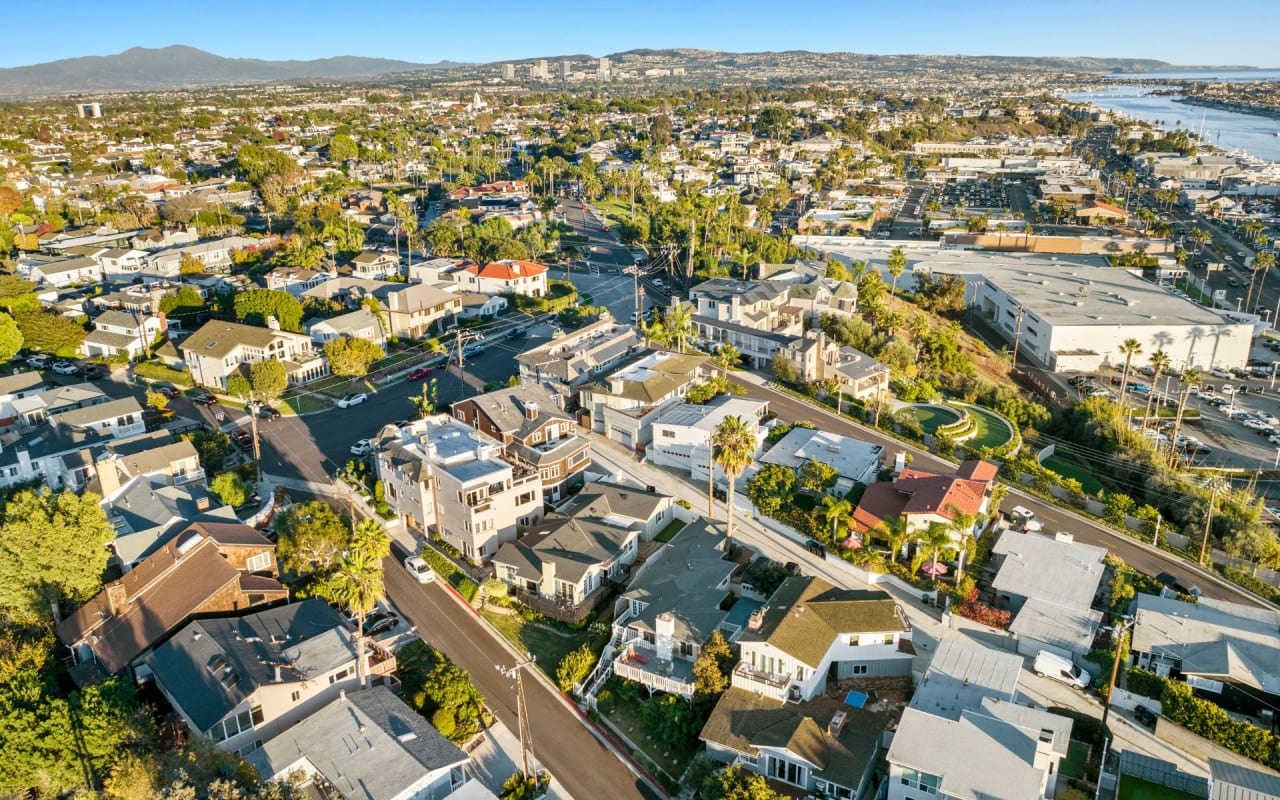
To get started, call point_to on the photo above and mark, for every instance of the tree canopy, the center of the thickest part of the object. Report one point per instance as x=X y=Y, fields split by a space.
x=350 y=358
x=10 y=337
x=49 y=332
x=255 y=306
x=53 y=548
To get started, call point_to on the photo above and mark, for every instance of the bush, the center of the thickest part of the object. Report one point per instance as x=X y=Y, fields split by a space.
x=1147 y=684
x=605 y=701
x=494 y=588
x=444 y=721
x=575 y=667
x=451 y=572
x=983 y=613
x=1205 y=719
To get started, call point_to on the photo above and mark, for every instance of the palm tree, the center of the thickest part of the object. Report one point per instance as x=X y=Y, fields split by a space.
x=734 y=445
x=357 y=585
x=894 y=532
x=1190 y=377
x=836 y=510
x=1159 y=363
x=1253 y=228
x=897 y=265
x=1130 y=347
x=679 y=323
x=962 y=525
x=935 y=541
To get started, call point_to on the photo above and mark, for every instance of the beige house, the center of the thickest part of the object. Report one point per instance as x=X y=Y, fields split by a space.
x=220 y=349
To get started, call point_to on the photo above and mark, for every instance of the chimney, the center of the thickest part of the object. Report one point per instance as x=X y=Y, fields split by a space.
x=108 y=476
x=342 y=695
x=665 y=630
x=548 y=588
x=202 y=503
x=531 y=411
x=273 y=323
x=117 y=598
x=278 y=678
x=157 y=295
x=756 y=621
x=836 y=724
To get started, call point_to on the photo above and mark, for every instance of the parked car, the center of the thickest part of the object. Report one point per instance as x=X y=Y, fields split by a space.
x=419 y=569
x=204 y=399
x=362 y=448
x=1268 y=418
x=419 y=374
x=166 y=389
x=381 y=624
x=92 y=371
x=1145 y=715
x=267 y=412
x=1025 y=518
x=1052 y=665
x=1255 y=424
x=38 y=362
x=65 y=368
x=353 y=399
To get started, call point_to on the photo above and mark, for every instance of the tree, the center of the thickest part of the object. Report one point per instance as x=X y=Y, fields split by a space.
x=10 y=337
x=817 y=476
x=190 y=265
x=771 y=487
x=784 y=369
x=268 y=378
x=343 y=148
x=678 y=322
x=50 y=332
x=836 y=510
x=53 y=547
x=156 y=400
x=356 y=585
x=734 y=445
x=239 y=386
x=894 y=532
x=311 y=538
x=257 y=306
x=933 y=542
x=897 y=265
x=230 y=488
x=10 y=200
x=350 y=358
x=1160 y=362
x=712 y=668
x=1129 y=347
x=736 y=783
x=726 y=355
x=575 y=667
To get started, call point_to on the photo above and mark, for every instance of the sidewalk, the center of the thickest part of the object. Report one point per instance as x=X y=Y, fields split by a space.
x=498 y=758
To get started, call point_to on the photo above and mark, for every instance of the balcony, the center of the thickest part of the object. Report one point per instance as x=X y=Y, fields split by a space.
x=641 y=664
x=770 y=684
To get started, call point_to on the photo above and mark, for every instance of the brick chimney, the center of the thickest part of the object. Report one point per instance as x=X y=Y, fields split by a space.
x=530 y=411
x=117 y=598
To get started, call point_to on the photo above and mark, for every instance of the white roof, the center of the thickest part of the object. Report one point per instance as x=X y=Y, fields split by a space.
x=850 y=457
x=1212 y=638
x=1064 y=574
x=961 y=675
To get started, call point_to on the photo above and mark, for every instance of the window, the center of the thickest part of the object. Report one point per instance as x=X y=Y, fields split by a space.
x=340 y=675
x=920 y=780
x=888 y=638
x=550 y=472
x=258 y=562
x=577 y=458
x=858 y=669
x=668 y=434
x=295 y=697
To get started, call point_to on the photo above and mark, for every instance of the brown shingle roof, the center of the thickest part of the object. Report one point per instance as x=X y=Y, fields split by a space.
x=805 y=615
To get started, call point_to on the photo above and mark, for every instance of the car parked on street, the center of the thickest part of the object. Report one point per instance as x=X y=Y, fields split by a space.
x=420 y=373
x=362 y=448
x=65 y=368
x=204 y=399
x=167 y=389
x=419 y=569
x=353 y=399
x=268 y=413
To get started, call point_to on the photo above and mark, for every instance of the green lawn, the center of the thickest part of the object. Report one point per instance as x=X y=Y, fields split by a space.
x=668 y=533
x=159 y=372
x=934 y=417
x=1069 y=469
x=546 y=646
x=304 y=403
x=993 y=431
x=628 y=720
x=1077 y=755
x=1132 y=788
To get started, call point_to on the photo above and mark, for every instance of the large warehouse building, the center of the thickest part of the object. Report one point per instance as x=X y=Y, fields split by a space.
x=1069 y=312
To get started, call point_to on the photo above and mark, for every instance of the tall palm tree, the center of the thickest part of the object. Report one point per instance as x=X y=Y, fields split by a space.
x=897 y=265
x=894 y=532
x=931 y=543
x=836 y=510
x=1159 y=364
x=1130 y=347
x=357 y=585
x=679 y=323
x=962 y=525
x=1190 y=377
x=734 y=445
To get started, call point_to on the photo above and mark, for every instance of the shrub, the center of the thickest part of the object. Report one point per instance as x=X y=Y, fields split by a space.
x=451 y=572
x=983 y=613
x=1147 y=684
x=1201 y=717
x=575 y=667
x=444 y=721
x=494 y=588
x=605 y=701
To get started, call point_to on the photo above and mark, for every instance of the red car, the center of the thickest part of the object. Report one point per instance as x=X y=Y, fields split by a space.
x=419 y=374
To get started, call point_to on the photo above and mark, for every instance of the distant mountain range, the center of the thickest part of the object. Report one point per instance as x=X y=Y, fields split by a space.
x=148 y=69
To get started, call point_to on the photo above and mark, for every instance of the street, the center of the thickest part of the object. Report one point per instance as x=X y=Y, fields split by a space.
x=579 y=762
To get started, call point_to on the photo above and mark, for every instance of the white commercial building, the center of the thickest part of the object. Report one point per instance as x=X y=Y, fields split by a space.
x=1069 y=312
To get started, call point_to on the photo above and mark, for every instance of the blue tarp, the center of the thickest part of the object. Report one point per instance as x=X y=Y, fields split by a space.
x=855 y=699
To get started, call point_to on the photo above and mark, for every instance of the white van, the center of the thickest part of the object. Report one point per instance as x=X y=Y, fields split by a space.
x=1052 y=665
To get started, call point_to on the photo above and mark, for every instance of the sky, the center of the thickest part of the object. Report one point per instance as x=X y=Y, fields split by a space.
x=1222 y=32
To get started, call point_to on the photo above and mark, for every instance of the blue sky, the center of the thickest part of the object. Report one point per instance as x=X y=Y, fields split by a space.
x=1178 y=31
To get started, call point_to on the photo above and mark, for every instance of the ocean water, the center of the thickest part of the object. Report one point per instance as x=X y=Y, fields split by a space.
x=1227 y=76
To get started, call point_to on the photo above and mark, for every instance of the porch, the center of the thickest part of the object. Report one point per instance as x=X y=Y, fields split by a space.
x=640 y=663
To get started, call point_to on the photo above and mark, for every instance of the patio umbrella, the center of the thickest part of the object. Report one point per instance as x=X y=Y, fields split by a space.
x=934 y=569
x=852 y=543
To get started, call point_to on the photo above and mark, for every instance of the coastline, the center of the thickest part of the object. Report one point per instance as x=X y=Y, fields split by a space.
x=1226 y=105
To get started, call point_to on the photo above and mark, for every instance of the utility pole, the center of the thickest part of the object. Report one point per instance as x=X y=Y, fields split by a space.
x=1208 y=521
x=521 y=712
x=461 y=337
x=1017 y=338
x=711 y=478
x=1119 y=633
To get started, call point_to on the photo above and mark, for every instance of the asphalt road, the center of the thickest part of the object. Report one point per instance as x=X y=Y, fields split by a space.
x=579 y=762
x=1151 y=562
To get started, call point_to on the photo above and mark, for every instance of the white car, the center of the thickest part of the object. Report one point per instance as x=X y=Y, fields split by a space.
x=1218 y=372
x=353 y=400
x=362 y=448
x=1268 y=418
x=1256 y=425
x=64 y=368
x=419 y=569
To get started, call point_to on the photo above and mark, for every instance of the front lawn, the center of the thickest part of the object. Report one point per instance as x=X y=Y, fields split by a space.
x=304 y=403
x=1077 y=755
x=668 y=533
x=159 y=372
x=549 y=647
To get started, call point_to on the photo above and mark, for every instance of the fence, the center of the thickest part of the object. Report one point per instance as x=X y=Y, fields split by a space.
x=1161 y=773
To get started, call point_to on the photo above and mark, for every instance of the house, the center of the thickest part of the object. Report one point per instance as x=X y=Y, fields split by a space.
x=854 y=460
x=56 y=447
x=623 y=404
x=530 y=424
x=817 y=358
x=18 y=386
x=821 y=747
x=359 y=324
x=811 y=631
x=1100 y=213
x=221 y=349
x=1229 y=781
x=682 y=433
x=504 y=277
x=117 y=418
x=121 y=264
x=1229 y=653
x=416 y=309
x=213 y=567
x=481 y=306
x=671 y=607
x=159 y=454
x=242 y=680
x=63 y=272
x=924 y=498
x=1049 y=585
x=373 y=265
x=367 y=738
x=295 y=280
x=148 y=512
x=215 y=255
x=440 y=471
x=122 y=332
x=571 y=359
x=964 y=735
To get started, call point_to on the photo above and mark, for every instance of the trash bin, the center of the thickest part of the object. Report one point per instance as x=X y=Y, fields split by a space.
x=924 y=598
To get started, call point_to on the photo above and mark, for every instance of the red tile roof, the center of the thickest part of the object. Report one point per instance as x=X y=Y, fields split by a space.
x=977 y=470
x=506 y=270
x=915 y=491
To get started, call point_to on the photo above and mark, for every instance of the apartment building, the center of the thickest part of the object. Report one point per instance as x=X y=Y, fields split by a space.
x=441 y=474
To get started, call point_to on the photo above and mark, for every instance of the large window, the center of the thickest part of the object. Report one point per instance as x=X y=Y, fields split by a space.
x=921 y=780
x=258 y=563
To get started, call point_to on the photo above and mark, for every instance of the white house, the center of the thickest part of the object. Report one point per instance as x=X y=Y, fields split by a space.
x=504 y=277
x=218 y=349
x=682 y=432
x=359 y=324
x=122 y=332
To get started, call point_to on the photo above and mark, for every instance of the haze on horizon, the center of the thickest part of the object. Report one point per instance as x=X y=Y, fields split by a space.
x=1179 y=32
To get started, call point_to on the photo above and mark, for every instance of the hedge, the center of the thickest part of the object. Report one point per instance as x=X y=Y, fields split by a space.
x=1179 y=704
x=452 y=573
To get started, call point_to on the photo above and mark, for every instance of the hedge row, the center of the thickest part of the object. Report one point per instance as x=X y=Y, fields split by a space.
x=451 y=572
x=1203 y=718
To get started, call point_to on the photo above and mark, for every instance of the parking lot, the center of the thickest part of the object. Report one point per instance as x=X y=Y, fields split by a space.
x=979 y=195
